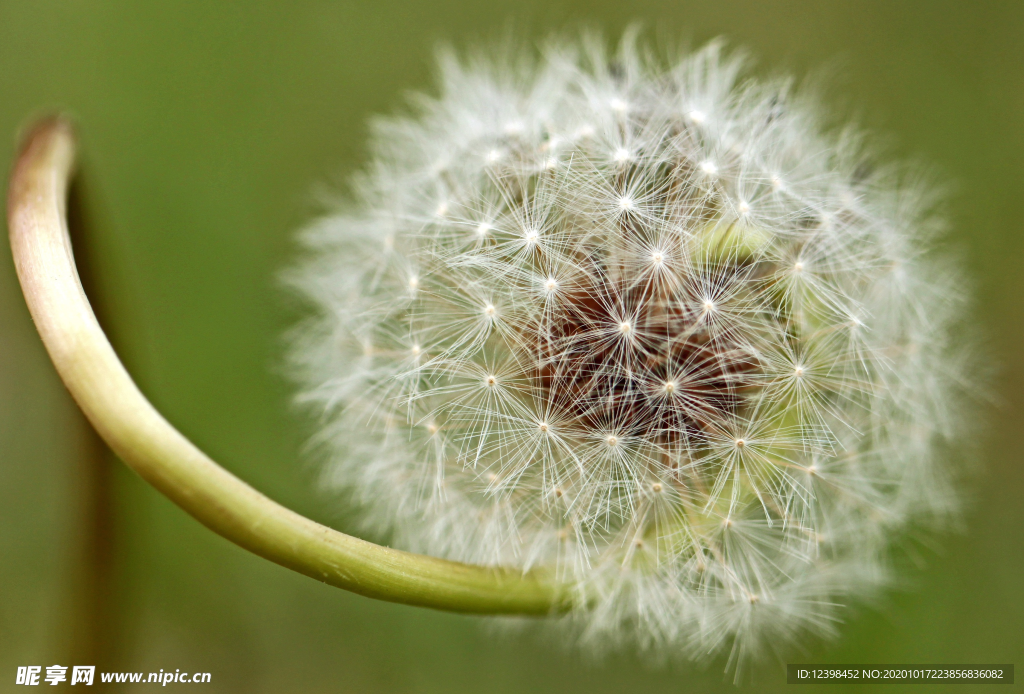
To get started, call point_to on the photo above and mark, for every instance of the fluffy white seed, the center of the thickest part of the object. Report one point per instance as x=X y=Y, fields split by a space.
x=731 y=408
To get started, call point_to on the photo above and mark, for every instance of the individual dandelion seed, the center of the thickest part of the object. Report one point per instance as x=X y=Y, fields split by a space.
x=664 y=334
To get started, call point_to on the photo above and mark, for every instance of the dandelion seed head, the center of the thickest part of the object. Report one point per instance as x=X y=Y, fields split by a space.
x=734 y=405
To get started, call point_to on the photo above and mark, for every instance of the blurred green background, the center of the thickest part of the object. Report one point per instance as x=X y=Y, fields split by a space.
x=207 y=127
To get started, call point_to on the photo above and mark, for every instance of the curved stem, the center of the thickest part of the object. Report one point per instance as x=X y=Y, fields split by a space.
x=162 y=456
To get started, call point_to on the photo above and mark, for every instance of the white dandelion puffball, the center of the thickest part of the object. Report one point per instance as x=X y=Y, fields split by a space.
x=645 y=324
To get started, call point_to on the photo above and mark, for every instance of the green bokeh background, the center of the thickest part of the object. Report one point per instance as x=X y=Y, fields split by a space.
x=208 y=126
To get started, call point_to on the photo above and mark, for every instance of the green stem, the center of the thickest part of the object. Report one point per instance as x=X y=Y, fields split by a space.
x=144 y=440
